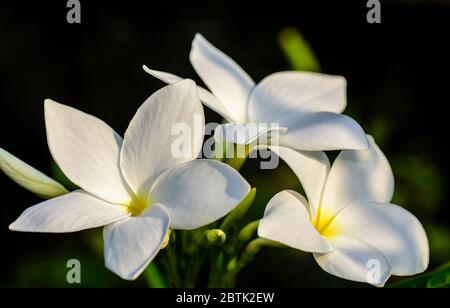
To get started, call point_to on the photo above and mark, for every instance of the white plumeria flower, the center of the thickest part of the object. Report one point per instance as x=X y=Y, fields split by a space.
x=348 y=222
x=304 y=108
x=134 y=187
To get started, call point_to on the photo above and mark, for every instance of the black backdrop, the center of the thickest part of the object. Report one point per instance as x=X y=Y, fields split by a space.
x=399 y=67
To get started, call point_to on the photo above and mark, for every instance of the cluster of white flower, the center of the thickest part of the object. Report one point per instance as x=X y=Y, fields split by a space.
x=139 y=191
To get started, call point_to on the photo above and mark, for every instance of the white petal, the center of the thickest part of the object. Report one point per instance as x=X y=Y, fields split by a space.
x=286 y=220
x=171 y=114
x=311 y=168
x=131 y=244
x=322 y=131
x=246 y=133
x=199 y=192
x=163 y=76
x=283 y=93
x=354 y=260
x=29 y=178
x=206 y=97
x=392 y=230
x=227 y=80
x=72 y=212
x=358 y=176
x=87 y=151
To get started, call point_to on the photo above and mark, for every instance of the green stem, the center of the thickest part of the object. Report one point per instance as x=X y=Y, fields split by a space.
x=235 y=266
x=239 y=212
x=215 y=273
x=248 y=231
x=170 y=264
x=153 y=277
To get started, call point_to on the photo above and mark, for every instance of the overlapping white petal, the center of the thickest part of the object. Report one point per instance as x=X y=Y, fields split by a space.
x=206 y=97
x=358 y=176
x=394 y=231
x=355 y=260
x=69 y=213
x=147 y=147
x=226 y=79
x=131 y=244
x=246 y=133
x=322 y=131
x=281 y=94
x=286 y=220
x=311 y=168
x=29 y=177
x=199 y=192
x=87 y=151
x=163 y=76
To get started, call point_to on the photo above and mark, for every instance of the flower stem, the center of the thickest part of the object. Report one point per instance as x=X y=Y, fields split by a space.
x=236 y=265
x=236 y=214
x=153 y=277
x=248 y=231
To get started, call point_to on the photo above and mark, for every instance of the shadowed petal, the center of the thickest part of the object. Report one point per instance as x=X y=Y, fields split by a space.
x=246 y=133
x=322 y=131
x=72 y=212
x=227 y=80
x=171 y=113
x=131 y=244
x=280 y=94
x=206 y=97
x=286 y=220
x=199 y=192
x=358 y=176
x=392 y=230
x=311 y=168
x=355 y=260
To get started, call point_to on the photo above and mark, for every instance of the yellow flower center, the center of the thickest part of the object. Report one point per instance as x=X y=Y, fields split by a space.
x=138 y=205
x=325 y=224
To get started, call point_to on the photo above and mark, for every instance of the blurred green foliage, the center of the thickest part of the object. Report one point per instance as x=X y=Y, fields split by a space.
x=439 y=278
x=297 y=50
x=154 y=277
x=48 y=269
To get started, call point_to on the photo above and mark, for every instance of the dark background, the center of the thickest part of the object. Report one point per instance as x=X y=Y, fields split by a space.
x=398 y=89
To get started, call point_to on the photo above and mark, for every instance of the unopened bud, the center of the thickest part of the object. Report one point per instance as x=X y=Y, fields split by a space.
x=216 y=236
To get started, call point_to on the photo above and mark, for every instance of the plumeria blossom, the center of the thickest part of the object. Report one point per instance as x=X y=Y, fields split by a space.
x=134 y=186
x=306 y=107
x=348 y=222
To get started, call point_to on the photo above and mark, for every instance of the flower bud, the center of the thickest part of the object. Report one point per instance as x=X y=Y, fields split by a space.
x=216 y=237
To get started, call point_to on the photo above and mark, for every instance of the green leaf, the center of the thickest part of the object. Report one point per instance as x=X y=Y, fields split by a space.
x=439 y=241
x=297 y=51
x=439 y=278
x=239 y=211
